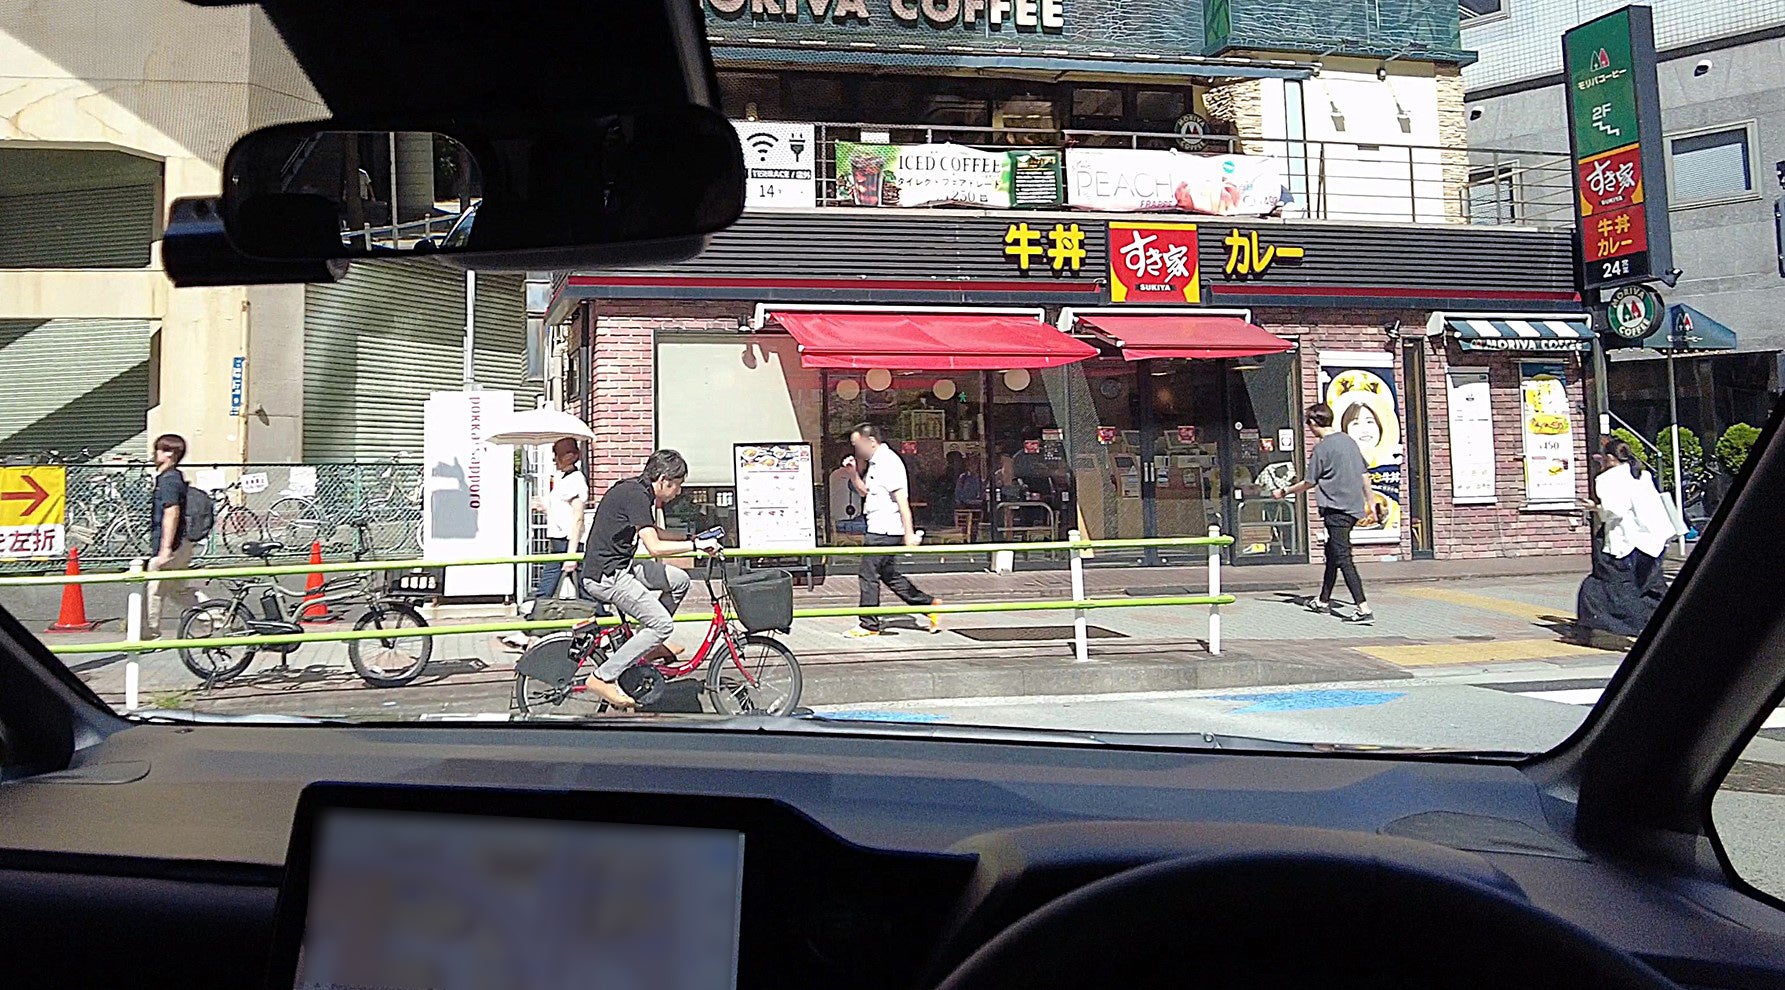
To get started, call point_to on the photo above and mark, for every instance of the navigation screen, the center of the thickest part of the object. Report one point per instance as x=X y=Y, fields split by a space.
x=412 y=901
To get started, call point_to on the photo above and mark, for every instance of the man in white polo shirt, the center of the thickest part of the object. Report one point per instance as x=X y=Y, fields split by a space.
x=883 y=486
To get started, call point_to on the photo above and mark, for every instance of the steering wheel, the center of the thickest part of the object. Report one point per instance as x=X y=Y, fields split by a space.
x=1304 y=919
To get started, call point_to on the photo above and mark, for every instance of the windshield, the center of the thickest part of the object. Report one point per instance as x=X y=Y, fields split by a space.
x=1064 y=372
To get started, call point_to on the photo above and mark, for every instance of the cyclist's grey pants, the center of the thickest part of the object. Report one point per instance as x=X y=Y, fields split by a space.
x=648 y=593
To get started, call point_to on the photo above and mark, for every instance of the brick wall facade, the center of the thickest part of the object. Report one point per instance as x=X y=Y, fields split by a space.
x=622 y=410
x=1504 y=528
x=1501 y=529
x=624 y=397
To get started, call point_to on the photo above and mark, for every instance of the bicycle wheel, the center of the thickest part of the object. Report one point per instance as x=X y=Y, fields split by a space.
x=294 y=522
x=236 y=526
x=395 y=660
x=547 y=676
x=213 y=620
x=765 y=680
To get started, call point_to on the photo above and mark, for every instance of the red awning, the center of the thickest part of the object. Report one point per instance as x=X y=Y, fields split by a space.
x=930 y=341
x=1187 y=336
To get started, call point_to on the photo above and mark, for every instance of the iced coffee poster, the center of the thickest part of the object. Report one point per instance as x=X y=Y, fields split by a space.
x=912 y=175
x=1549 y=433
x=777 y=506
x=1360 y=388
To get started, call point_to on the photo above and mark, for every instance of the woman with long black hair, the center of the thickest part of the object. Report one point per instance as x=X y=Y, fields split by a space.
x=1622 y=592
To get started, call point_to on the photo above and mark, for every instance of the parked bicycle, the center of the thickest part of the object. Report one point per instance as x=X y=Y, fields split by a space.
x=747 y=670
x=392 y=507
x=391 y=661
x=104 y=521
x=235 y=525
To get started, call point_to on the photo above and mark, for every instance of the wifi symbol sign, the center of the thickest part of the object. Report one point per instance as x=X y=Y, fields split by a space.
x=764 y=145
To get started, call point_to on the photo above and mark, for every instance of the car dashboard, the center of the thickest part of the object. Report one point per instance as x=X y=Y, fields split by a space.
x=871 y=860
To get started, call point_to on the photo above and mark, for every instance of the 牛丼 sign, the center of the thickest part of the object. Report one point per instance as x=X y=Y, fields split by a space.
x=1059 y=248
x=1153 y=262
x=1614 y=127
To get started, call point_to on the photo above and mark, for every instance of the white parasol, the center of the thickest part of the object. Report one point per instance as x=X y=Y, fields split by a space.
x=539 y=426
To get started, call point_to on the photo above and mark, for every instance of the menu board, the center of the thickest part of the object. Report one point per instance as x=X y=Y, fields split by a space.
x=1035 y=178
x=775 y=495
x=1471 y=438
x=1549 y=433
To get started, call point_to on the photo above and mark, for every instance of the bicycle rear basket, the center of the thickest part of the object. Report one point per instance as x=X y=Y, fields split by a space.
x=762 y=599
x=417 y=582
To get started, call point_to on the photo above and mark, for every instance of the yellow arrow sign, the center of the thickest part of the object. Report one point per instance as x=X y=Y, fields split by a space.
x=32 y=496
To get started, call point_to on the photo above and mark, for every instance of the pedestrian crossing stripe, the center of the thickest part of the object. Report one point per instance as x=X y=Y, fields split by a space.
x=1489 y=603
x=1499 y=651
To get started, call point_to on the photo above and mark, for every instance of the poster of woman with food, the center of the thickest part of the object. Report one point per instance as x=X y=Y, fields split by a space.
x=1549 y=433
x=1359 y=386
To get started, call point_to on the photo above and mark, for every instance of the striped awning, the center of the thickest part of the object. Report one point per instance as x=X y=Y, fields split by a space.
x=1516 y=333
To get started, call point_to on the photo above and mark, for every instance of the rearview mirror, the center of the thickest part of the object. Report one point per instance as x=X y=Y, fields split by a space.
x=324 y=190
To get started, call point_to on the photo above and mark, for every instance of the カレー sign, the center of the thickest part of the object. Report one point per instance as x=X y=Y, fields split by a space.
x=33 y=501
x=1153 y=262
x=1614 y=129
x=1248 y=258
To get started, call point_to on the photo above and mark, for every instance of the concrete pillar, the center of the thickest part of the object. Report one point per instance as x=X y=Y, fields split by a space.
x=415 y=174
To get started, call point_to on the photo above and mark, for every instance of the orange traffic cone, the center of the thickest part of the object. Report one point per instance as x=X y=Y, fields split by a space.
x=73 y=617
x=314 y=610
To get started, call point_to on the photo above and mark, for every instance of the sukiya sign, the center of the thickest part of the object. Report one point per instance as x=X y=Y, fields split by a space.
x=990 y=16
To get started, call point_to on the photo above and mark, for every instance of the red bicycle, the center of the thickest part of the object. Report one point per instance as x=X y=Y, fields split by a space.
x=747 y=671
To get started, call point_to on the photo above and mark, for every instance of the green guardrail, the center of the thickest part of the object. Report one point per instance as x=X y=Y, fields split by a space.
x=748 y=553
x=480 y=628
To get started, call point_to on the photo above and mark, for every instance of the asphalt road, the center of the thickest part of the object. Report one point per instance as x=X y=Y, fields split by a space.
x=1509 y=707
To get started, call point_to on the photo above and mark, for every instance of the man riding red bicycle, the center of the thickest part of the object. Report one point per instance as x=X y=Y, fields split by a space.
x=648 y=591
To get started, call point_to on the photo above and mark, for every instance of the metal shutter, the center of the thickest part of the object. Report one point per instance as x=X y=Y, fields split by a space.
x=78 y=228
x=72 y=384
x=377 y=342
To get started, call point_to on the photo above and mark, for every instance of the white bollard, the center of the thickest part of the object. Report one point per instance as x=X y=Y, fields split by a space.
x=1081 y=633
x=1214 y=589
x=133 y=633
x=133 y=607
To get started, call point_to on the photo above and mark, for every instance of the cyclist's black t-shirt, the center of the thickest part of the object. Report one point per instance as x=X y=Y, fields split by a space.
x=613 y=537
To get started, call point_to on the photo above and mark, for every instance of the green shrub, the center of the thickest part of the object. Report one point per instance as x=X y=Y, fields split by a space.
x=1695 y=470
x=1733 y=446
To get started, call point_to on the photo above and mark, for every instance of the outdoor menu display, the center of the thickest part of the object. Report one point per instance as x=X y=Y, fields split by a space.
x=1359 y=386
x=775 y=488
x=1471 y=438
x=1549 y=433
x=913 y=175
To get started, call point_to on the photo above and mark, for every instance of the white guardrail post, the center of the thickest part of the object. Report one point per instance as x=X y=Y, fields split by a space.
x=133 y=633
x=1214 y=589
x=1081 y=633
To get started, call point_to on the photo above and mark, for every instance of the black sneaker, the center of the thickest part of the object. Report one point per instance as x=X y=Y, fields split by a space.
x=1361 y=618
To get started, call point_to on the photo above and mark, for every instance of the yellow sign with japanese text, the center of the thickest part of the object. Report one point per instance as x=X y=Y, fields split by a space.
x=1248 y=258
x=33 y=501
x=32 y=496
x=1060 y=249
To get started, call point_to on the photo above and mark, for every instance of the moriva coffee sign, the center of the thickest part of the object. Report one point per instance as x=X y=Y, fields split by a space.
x=1615 y=139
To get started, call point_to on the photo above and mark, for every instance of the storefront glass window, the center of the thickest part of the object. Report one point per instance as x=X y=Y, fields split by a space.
x=1267 y=454
x=935 y=423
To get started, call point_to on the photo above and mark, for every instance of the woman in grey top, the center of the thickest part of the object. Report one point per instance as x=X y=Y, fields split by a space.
x=1340 y=480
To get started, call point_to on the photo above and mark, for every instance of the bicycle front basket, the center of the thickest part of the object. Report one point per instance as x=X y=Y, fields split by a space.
x=762 y=599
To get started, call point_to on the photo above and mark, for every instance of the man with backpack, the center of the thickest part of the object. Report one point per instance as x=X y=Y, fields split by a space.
x=180 y=516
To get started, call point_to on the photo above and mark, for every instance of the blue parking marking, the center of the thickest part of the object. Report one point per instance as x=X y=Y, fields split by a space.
x=1308 y=701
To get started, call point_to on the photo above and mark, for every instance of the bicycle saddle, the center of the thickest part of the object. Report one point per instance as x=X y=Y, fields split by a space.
x=262 y=549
